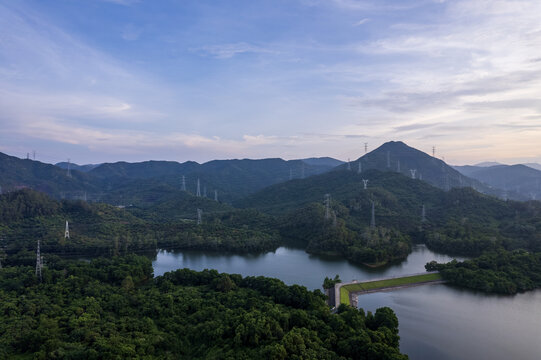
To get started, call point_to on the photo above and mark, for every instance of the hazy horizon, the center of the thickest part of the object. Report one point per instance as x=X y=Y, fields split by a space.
x=134 y=80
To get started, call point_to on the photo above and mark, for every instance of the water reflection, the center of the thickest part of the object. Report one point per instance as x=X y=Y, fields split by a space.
x=291 y=265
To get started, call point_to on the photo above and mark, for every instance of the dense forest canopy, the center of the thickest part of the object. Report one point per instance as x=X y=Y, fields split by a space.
x=113 y=308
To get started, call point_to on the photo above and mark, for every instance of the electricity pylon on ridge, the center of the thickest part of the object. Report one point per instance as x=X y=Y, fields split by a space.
x=39 y=263
x=67 y=232
x=327 y=206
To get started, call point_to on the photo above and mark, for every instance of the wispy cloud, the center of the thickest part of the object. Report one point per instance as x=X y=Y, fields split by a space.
x=361 y=22
x=226 y=51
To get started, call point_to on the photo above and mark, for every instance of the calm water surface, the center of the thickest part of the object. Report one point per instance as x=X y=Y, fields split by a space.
x=436 y=322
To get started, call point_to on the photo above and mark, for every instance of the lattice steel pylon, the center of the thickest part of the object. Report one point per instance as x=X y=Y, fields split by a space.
x=39 y=264
x=67 y=232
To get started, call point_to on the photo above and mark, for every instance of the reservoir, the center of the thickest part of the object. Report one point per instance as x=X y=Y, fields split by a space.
x=436 y=321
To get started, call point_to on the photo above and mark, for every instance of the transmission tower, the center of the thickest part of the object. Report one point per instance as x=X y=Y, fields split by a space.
x=216 y=195
x=360 y=170
x=373 y=219
x=198 y=191
x=67 y=232
x=388 y=159
x=327 y=206
x=433 y=151
x=39 y=264
x=365 y=183
x=413 y=171
x=69 y=168
x=349 y=165
x=199 y=216
x=365 y=148
x=420 y=176
x=34 y=155
x=423 y=214
x=183 y=187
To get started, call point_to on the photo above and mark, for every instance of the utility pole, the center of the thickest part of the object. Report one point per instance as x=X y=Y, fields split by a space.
x=39 y=264
x=67 y=232
x=183 y=187
x=365 y=183
x=327 y=206
x=413 y=171
x=198 y=192
x=199 y=216
x=373 y=219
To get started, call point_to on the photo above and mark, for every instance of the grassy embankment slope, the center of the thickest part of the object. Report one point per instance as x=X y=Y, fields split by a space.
x=379 y=284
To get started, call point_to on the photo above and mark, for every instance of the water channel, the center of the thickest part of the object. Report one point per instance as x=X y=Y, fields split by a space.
x=436 y=321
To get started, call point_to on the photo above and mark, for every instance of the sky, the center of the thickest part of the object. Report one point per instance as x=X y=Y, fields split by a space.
x=109 y=80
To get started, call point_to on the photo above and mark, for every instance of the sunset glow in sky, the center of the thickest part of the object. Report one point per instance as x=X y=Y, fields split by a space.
x=109 y=80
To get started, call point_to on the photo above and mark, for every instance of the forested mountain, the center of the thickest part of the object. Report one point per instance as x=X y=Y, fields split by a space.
x=398 y=157
x=101 y=229
x=513 y=179
x=232 y=179
x=122 y=183
x=460 y=221
x=324 y=161
x=83 y=168
x=18 y=173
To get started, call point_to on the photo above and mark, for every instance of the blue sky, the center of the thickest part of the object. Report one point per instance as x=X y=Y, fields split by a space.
x=108 y=80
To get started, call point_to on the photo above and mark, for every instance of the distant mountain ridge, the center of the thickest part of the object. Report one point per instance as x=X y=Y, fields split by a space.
x=324 y=161
x=398 y=157
x=123 y=183
x=512 y=179
x=72 y=166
